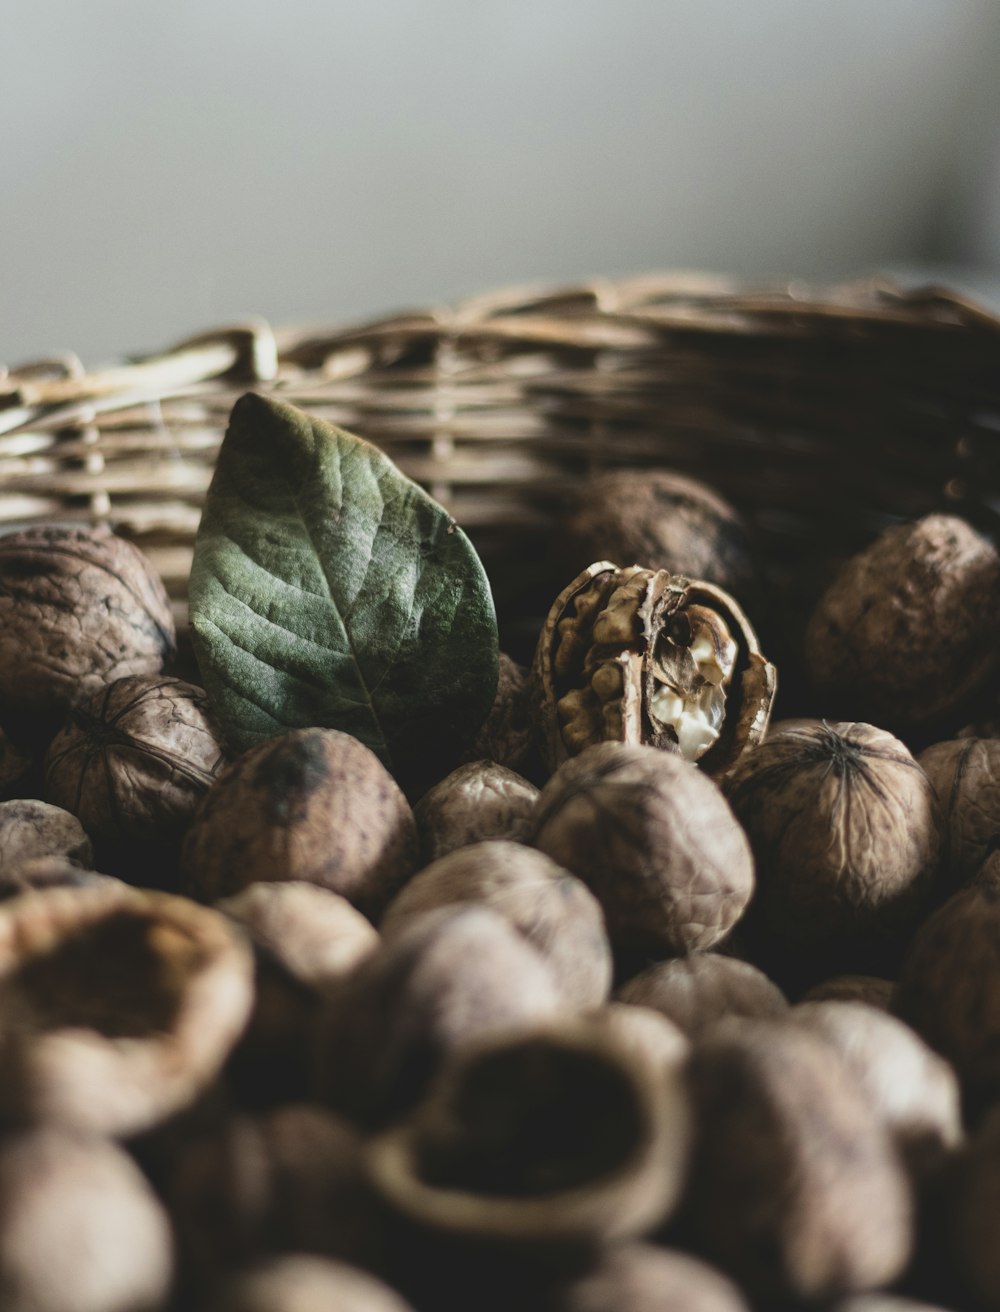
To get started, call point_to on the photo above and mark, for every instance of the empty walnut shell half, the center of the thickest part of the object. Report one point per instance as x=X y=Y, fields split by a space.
x=541 y=1141
x=117 y=1007
x=646 y=657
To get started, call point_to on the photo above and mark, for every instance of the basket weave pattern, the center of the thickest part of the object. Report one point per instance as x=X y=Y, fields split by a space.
x=822 y=413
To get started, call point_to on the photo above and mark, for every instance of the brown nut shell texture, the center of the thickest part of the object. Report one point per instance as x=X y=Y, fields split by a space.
x=117 y=1007
x=845 y=829
x=796 y=1188
x=78 y=609
x=311 y=804
x=540 y=1140
x=909 y=627
x=655 y=841
x=650 y=658
x=134 y=761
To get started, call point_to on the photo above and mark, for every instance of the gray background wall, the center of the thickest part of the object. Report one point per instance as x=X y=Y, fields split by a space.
x=169 y=166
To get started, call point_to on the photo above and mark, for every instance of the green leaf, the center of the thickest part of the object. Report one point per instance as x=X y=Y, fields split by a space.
x=329 y=589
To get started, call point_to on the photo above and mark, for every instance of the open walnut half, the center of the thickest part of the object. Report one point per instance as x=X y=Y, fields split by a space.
x=647 y=657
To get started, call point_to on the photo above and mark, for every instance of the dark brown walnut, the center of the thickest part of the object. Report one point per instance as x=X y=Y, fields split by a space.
x=966 y=777
x=795 y=1186
x=293 y=1181
x=79 y=608
x=313 y=805
x=30 y=829
x=132 y=762
x=697 y=991
x=476 y=802
x=662 y=520
x=846 y=834
x=637 y=1277
x=914 y=1091
x=507 y=734
x=448 y=979
x=649 y=658
x=316 y=934
x=117 y=1007
x=300 y=1283
x=305 y=940
x=552 y=909
x=972 y=1216
x=872 y=990
x=656 y=842
x=540 y=1141
x=949 y=986
x=80 y=1228
x=909 y=628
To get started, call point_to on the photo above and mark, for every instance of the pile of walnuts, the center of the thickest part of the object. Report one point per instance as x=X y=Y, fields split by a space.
x=656 y=1003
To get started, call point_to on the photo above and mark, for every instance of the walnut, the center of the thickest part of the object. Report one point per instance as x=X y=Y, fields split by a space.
x=543 y=1141
x=507 y=734
x=305 y=940
x=949 y=986
x=795 y=1188
x=290 y=1181
x=663 y=520
x=655 y=841
x=310 y=804
x=476 y=802
x=79 y=608
x=316 y=934
x=913 y=1090
x=300 y=1283
x=908 y=629
x=698 y=990
x=555 y=911
x=80 y=1229
x=638 y=1277
x=117 y=1007
x=966 y=777
x=30 y=829
x=133 y=762
x=646 y=657
x=450 y=977
x=846 y=833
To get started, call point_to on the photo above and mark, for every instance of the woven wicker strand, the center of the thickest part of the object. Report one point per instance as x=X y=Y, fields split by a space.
x=822 y=413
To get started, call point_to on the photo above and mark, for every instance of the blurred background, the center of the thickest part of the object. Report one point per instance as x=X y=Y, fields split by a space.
x=171 y=167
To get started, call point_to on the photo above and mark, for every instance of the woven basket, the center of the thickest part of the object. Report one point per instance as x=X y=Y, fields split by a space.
x=823 y=414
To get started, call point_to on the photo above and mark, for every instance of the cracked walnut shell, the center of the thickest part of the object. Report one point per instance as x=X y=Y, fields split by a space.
x=650 y=658
x=117 y=1007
